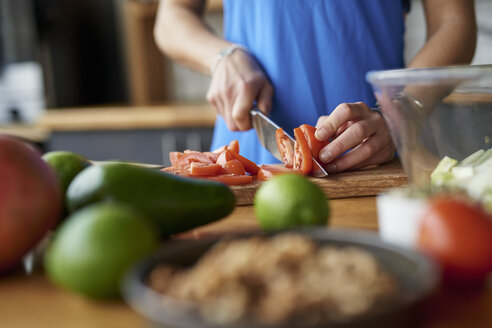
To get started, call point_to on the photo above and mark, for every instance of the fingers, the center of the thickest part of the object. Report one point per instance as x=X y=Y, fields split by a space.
x=221 y=104
x=353 y=135
x=360 y=138
x=235 y=85
x=384 y=155
x=374 y=150
x=264 y=99
x=327 y=126
x=242 y=104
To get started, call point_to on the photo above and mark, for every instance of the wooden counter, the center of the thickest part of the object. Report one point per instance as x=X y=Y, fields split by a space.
x=128 y=118
x=32 y=301
x=113 y=118
x=33 y=133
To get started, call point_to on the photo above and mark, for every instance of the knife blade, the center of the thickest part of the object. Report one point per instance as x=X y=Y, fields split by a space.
x=265 y=130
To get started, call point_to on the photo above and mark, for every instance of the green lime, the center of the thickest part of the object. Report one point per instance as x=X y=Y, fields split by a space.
x=92 y=250
x=288 y=201
x=66 y=166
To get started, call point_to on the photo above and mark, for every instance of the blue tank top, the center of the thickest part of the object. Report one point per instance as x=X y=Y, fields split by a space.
x=316 y=54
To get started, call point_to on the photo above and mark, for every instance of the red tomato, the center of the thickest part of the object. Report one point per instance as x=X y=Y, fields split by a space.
x=220 y=149
x=285 y=148
x=459 y=236
x=189 y=156
x=314 y=144
x=178 y=170
x=234 y=146
x=249 y=166
x=225 y=157
x=206 y=155
x=234 y=167
x=267 y=171
x=205 y=169
x=231 y=180
x=302 y=155
x=175 y=156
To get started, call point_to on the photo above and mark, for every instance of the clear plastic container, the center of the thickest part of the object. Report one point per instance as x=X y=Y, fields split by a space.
x=435 y=112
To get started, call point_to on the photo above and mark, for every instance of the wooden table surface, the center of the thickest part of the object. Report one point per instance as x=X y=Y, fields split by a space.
x=32 y=301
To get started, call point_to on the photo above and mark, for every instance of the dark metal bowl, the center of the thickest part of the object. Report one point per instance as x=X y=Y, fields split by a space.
x=416 y=275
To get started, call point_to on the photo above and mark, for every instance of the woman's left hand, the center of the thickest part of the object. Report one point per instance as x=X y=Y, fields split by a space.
x=354 y=127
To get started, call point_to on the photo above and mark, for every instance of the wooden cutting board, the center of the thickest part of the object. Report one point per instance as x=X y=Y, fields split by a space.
x=367 y=182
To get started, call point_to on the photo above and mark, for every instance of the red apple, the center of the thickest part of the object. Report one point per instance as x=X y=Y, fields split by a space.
x=30 y=200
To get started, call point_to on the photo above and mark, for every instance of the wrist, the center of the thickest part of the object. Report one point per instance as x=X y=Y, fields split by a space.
x=226 y=52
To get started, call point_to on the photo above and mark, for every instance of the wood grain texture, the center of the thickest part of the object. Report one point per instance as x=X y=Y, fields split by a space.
x=357 y=212
x=368 y=182
x=33 y=301
x=126 y=118
x=29 y=132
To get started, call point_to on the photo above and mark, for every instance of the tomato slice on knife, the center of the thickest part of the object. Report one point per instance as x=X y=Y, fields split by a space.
x=285 y=148
x=314 y=144
x=302 y=154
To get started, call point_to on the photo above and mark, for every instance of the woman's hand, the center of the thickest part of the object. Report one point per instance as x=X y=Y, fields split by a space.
x=236 y=83
x=354 y=126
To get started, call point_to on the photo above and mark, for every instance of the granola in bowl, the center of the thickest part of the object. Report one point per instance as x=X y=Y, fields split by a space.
x=285 y=278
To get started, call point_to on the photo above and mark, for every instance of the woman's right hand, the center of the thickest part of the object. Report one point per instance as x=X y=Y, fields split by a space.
x=237 y=82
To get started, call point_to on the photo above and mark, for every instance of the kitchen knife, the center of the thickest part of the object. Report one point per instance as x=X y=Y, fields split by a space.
x=265 y=129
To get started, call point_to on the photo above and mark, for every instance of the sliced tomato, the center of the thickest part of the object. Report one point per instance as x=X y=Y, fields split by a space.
x=175 y=157
x=212 y=157
x=189 y=156
x=225 y=157
x=231 y=179
x=314 y=144
x=234 y=167
x=178 y=170
x=234 y=146
x=205 y=169
x=249 y=166
x=285 y=148
x=267 y=171
x=220 y=149
x=302 y=154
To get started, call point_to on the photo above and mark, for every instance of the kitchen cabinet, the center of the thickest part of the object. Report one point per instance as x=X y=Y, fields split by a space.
x=138 y=134
x=146 y=146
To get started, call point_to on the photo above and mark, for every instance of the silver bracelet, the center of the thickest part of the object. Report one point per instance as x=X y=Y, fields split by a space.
x=225 y=53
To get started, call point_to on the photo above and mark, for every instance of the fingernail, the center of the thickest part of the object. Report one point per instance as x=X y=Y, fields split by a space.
x=331 y=168
x=321 y=134
x=325 y=156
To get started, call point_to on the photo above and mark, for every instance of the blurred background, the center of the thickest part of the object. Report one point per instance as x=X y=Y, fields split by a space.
x=86 y=76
